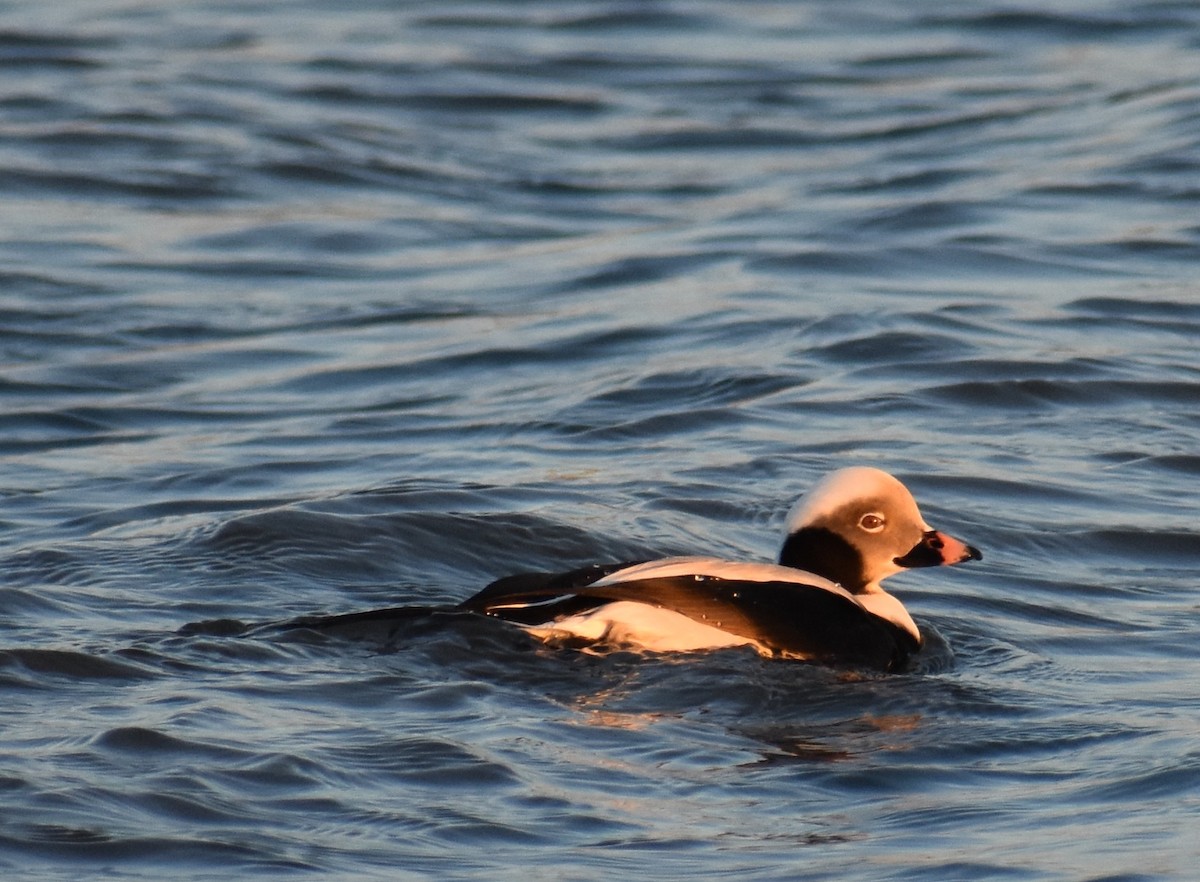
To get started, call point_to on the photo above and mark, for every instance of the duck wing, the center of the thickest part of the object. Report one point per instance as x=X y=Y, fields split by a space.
x=533 y=598
x=788 y=611
x=788 y=618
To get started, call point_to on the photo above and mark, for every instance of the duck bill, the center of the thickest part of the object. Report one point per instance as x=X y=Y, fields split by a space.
x=938 y=549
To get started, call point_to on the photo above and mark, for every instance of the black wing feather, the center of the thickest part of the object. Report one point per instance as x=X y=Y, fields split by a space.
x=533 y=598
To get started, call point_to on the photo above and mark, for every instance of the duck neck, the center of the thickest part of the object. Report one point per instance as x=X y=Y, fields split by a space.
x=825 y=553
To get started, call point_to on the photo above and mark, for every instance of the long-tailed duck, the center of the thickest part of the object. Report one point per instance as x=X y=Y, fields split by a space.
x=821 y=602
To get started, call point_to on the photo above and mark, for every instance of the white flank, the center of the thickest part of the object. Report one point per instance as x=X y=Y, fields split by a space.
x=641 y=626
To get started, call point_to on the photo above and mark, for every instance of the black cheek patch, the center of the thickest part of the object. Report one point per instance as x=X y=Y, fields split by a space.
x=820 y=550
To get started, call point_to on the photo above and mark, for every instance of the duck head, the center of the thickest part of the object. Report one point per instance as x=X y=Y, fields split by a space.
x=860 y=525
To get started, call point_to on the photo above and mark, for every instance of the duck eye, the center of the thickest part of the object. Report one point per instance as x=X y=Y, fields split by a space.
x=872 y=522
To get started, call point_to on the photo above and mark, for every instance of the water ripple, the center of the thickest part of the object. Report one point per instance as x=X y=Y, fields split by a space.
x=363 y=307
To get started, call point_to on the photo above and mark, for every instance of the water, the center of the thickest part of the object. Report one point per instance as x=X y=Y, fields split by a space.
x=316 y=308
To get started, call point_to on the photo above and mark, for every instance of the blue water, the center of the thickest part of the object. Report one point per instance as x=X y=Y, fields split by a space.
x=319 y=307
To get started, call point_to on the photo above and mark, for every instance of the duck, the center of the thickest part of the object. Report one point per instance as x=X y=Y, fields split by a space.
x=822 y=601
